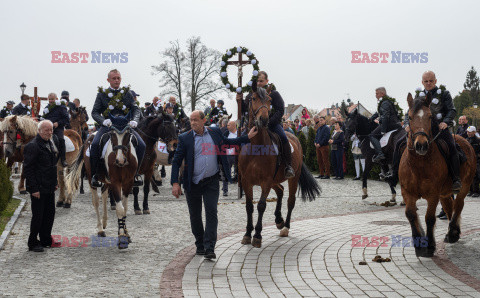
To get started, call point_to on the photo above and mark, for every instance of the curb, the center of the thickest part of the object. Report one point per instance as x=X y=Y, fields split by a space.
x=12 y=221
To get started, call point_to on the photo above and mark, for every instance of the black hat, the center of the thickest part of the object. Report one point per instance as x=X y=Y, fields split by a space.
x=147 y=104
x=65 y=93
x=221 y=102
x=134 y=94
x=10 y=102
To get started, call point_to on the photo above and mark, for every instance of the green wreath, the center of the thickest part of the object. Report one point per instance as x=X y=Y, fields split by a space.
x=50 y=107
x=441 y=89
x=223 y=69
x=395 y=104
x=115 y=100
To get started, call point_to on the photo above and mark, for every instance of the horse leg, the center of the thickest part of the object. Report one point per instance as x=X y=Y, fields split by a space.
x=136 y=207
x=162 y=172
x=394 y=192
x=96 y=203
x=261 y=206
x=278 y=209
x=81 y=180
x=61 y=186
x=447 y=205
x=430 y=219
x=104 y=202
x=247 y=238
x=113 y=205
x=21 y=184
x=121 y=216
x=412 y=216
x=454 y=226
x=146 y=190
x=292 y=190
x=366 y=173
x=125 y=203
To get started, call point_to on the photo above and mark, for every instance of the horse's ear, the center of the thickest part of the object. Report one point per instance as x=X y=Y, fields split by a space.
x=346 y=112
x=410 y=100
x=229 y=116
x=254 y=86
x=428 y=99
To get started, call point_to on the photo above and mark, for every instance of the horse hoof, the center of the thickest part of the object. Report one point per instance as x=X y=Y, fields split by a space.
x=146 y=211
x=404 y=204
x=122 y=242
x=102 y=234
x=138 y=212
x=246 y=240
x=67 y=205
x=280 y=225
x=158 y=183
x=451 y=238
x=284 y=232
x=364 y=197
x=82 y=192
x=256 y=242
x=23 y=192
x=113 y=207
x=392 y=200
x=59 y=204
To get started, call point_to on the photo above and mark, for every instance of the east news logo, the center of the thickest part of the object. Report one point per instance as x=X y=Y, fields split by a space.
x=392 y=57
x=94 y=56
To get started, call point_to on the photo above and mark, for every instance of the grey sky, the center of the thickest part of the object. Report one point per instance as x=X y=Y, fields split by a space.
x=305 y=46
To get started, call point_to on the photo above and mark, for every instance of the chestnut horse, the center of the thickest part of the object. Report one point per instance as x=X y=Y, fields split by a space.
x=261 y=169
x=120 y=166
x=78 y=123
x=423 y=173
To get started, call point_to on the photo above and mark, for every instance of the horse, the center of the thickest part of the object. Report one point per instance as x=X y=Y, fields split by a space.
x=423 y=173
x=65 y=199
x=360 y=125
x=78 y=122
x=120 y=165
x=151 y=129
x=263 y=170
x=18 y=131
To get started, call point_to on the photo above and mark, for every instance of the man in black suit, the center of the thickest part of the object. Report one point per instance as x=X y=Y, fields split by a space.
x=23 y=107
x=40 y=169
x=65 y=95
x=7 y=110
x=203 y=168
x=57 y=113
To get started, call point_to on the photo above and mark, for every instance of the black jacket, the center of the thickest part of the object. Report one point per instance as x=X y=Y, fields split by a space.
x=387 y=114
x=276 y=112
x=40 y=165
x=462 y=130
x=58 y=114
x=4 y=113
x=20 y=110
x=151 y=111
x=217 y=113
x=443 y=110
x=101 y=105
x=178 y=112
x=475 y=142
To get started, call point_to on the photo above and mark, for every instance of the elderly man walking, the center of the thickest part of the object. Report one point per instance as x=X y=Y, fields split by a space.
x=40 y=169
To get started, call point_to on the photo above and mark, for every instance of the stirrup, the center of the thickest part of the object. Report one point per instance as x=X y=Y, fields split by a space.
x=95 y=182
x=289 y=173
x=138 y=182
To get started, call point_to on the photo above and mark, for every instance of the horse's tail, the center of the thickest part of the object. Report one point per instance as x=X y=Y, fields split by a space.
x=73 y=177
x=309 y=187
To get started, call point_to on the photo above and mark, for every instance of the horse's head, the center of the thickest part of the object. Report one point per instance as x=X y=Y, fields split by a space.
x=260 y=106
x=121 y=146
x=351 y=123
x=9 y=128
x=420 y=122
x=167 y=131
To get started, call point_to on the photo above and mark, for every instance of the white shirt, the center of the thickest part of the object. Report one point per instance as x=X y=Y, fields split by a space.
x=231 y=135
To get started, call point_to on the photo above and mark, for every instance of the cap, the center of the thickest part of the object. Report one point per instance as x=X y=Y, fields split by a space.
x=471 y=129
x=65 y=93
x=10 y=102
x=220 y=102
x=134 y=94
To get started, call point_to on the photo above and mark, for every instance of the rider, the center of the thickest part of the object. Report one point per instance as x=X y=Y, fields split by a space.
x=76 y=101
x=388 y=120
x=7 y=110
x=443 y=110
x=65 y=95
x=57 y=113
x=218 y=112
x=178 y=112
x=102 y=103
x=23 y=108
x=155 y=108
x=208 y=111
x=275 y=119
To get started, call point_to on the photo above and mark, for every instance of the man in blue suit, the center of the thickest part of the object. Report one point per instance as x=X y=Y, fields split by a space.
x=203 y=149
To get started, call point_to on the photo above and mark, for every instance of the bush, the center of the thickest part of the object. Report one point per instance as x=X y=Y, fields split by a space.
x=6 y=189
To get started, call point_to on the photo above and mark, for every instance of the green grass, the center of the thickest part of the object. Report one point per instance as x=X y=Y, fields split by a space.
x=6 y=214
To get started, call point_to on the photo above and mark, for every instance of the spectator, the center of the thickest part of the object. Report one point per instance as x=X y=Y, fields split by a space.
x=305 y=115
x=297 y=125
x=287 y=127
x=40 y=169
x=321 y=144
x=306 y=127
x=474 y=140
x=230 y=133
x=462 y=126
x=337 y=150
x=357 y=156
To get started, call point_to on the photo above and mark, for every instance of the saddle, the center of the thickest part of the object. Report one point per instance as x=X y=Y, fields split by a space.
x=444 y=150
x=386 y=138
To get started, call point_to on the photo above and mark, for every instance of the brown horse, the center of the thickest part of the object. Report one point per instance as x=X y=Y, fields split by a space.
x=65 y=199
x=78 y=120
x=118 y=175
x=423 y=173
x=261 y=169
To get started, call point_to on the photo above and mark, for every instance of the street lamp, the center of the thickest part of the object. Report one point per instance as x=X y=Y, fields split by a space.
x=475 y=106
x=23 y=86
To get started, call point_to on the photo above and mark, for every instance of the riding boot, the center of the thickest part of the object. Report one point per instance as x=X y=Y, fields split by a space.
x=287 y=154
x=455 y=166
x=138 y=181
x=378 y=149
x=93 y=172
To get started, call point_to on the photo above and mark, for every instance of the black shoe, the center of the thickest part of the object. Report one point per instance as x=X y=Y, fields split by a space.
x=338 y=178
x=319 y=177
x=356 y=178
x=325 y=177
x=163 y=174
x=36 y=248
x=95 y=182
x=137 y=181
x=469 y=194
x=441 y=214
x=225 y=193
x=54 y=244
x=200 y=252
x=456 y=186
x=378 y=157
x=475 y=195
x=289 y=172
x=210 y=255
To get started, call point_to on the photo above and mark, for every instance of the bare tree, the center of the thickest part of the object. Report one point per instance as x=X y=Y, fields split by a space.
x=202 y=70
x=172 y=70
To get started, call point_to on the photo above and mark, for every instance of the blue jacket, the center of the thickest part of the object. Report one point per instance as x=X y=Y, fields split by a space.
x=322 y=136
x=186 y=150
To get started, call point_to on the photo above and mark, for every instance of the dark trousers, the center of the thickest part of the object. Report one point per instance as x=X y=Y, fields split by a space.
x=278 y=129
x=61 y=141
x=322 y=160
x=337 y=155
x=43 y=215
x=207 y=190
x=333 y=161
x=95 y=147
x=231 y=162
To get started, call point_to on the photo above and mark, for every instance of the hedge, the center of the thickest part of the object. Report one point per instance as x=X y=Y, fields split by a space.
x=6 y=186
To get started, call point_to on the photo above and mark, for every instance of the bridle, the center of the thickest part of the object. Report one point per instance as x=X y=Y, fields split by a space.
x=164 y=140
x=258 y=109
x=13 y=140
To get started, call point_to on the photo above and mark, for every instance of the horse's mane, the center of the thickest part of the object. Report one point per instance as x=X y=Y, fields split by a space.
x=143 y=125
x=25 y=123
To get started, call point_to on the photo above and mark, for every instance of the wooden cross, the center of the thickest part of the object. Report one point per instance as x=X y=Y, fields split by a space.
x=35 y=103
x=240 y=63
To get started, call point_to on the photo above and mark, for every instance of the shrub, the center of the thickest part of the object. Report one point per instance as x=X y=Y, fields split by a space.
x=6 y=186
